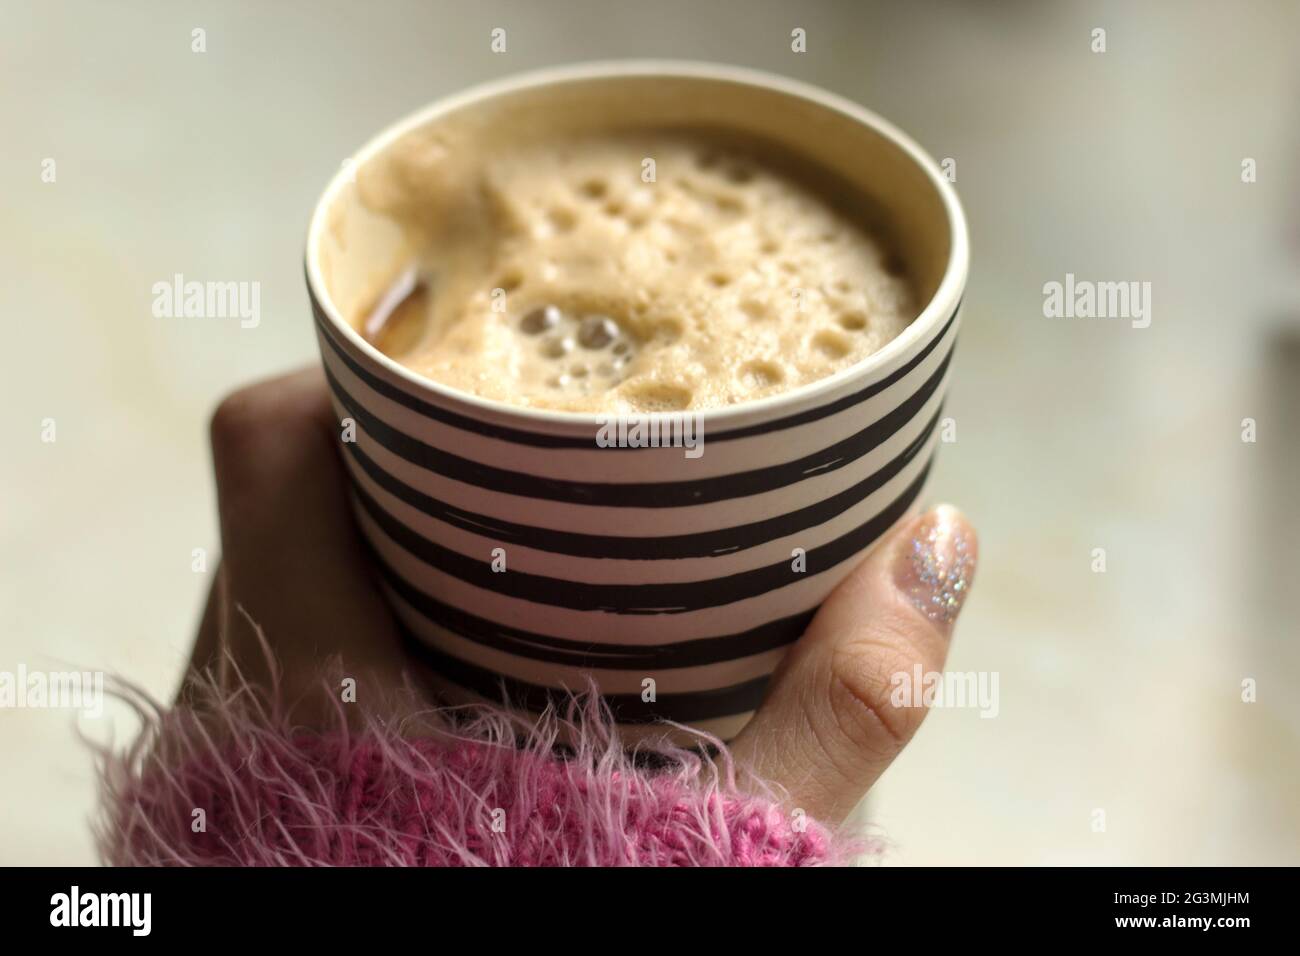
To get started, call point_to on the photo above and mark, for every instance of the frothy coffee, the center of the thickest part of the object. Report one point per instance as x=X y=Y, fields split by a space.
x=626 y=271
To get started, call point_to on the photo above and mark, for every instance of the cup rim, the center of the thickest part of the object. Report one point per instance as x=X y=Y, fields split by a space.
x=937 y=310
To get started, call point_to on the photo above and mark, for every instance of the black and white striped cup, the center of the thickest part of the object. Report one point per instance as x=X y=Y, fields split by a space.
x=676 y=582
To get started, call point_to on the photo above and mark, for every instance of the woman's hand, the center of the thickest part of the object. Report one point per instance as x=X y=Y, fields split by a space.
x=294 y=569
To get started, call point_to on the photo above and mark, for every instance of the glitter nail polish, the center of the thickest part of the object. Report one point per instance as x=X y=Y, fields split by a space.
x=937 y=564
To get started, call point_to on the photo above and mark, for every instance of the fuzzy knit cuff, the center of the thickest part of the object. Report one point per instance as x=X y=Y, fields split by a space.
x=226 y=780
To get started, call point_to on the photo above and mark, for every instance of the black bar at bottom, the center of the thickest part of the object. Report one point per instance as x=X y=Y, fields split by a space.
x=583 y=907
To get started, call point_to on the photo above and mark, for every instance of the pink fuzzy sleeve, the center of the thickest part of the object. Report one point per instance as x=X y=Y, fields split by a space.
x=229 y=782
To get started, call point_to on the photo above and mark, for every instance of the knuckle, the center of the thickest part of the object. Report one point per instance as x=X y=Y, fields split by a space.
x=250 y=417
x=862 y=682
x=236 y=415
x=243 y=432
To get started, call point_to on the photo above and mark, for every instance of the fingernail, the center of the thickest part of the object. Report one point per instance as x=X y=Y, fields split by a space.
x=936 y=565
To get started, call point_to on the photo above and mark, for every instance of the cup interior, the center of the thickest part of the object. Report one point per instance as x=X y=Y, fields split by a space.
x=355 y=250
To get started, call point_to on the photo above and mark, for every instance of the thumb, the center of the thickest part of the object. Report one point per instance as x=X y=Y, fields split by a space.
x=828 y=727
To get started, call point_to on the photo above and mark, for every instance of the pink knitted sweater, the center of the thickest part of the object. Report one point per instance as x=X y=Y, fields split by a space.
x=228 y=780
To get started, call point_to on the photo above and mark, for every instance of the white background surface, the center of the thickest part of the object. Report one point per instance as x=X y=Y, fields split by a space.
x=1119 y=691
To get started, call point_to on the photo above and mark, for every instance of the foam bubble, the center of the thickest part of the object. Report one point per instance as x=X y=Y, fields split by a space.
x=597 y=331
x=540 y=320
x=658 y=396
x=561 y=335
x=832 y=344
x=761 y=374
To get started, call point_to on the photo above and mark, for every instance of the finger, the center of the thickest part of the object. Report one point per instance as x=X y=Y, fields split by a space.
x=829 y=727
x=292 y=562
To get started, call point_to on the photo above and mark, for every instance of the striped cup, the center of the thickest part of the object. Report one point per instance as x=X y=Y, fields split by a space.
x=522 y=554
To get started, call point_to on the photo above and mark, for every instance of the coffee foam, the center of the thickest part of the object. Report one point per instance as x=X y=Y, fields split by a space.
x=570 y=273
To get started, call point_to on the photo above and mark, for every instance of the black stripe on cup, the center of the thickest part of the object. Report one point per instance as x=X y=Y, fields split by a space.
x=609 y=656
x=713 y=543
x=685 y=708
x=674 y=598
